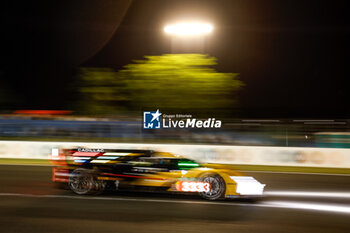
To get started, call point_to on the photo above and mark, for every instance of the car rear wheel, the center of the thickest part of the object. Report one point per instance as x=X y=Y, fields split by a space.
x=83 y=181
x=217 y=187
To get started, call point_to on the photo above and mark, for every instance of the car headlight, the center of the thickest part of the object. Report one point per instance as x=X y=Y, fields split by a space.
x=247 y=185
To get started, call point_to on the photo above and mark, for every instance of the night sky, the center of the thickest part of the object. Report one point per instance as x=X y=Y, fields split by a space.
x=292 y=55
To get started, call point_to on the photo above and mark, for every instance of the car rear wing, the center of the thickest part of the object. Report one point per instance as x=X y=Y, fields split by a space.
x=62 y=157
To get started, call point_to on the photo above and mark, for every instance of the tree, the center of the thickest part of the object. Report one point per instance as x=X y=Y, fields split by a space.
x=171 y=81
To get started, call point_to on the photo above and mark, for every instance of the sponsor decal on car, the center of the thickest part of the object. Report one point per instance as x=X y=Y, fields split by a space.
x=192 y=186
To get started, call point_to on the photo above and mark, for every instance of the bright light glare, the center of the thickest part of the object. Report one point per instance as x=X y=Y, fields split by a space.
x=318 y=207
x=55 y=154
x=189 y=29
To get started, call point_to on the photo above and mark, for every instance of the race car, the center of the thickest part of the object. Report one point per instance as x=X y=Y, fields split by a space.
x=92 y=171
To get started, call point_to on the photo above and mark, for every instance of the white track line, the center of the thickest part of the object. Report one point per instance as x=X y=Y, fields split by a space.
x=120 y=199
x=307 y=194
x=343 y=209
x=289 y=173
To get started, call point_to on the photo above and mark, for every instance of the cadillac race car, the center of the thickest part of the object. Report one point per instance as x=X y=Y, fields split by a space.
x=92 y=171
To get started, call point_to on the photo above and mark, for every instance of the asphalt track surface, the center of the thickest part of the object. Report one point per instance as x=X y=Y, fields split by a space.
x=293 y=203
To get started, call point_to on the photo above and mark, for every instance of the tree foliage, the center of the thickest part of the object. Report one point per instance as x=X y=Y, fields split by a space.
x=171 y=81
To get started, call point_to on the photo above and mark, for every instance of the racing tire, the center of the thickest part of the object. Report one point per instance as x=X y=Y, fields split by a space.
x=217 y=187
x=84 y=182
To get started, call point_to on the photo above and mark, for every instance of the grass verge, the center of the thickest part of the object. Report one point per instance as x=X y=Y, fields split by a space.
x=25 y=161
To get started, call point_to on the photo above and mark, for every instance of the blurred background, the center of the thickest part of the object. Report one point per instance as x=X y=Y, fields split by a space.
x=74 y=73
x=243 y=132
x=273 y=72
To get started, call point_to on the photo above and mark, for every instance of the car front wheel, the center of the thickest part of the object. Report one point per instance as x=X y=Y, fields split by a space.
x=217 y=187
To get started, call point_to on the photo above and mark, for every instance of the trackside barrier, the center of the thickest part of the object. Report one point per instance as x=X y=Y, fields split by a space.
x=250 y=155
